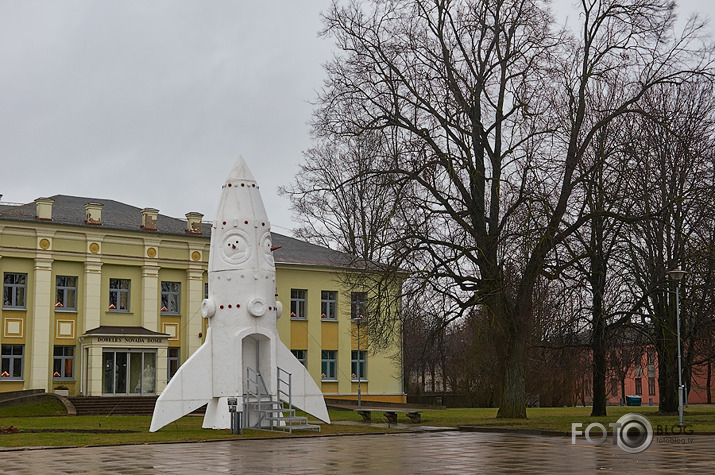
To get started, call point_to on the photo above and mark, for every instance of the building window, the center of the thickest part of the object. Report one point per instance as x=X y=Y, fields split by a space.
x=328 y=305
x=127 y=372
x=650 y=352
x=614 y=387
x=301 y=355
x=172 y=364
x=119 y=295
x=298 y=303
x=12 y=358
x=651 y=386
x=358 y=305
x=13 y=291
x=639 y=387
x=66 y=293
x=358 y=365
x=329 y=365
x=170 y=298
x=63 y=368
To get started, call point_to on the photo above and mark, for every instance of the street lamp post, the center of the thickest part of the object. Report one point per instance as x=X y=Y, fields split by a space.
x=358 y=367
x=677 y=275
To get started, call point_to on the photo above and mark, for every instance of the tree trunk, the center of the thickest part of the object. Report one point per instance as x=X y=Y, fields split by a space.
x=599 y=377
x=598 y=288
x=513 y=395
x=424 y=379
x=512 y=404
x=433 y=377
x=708 y=393
x=667 y=384
x=666 y=344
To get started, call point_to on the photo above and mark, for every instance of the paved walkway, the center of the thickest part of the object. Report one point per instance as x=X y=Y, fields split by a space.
x=428 y=452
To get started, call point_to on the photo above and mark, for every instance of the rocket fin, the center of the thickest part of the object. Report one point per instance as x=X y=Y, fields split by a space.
x=189 y=389
x=305 y=393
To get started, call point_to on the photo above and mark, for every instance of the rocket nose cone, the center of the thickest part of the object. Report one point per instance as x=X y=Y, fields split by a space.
x=240 y=171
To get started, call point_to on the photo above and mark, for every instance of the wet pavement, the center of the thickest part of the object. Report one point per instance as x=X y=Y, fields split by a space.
x=397 y=453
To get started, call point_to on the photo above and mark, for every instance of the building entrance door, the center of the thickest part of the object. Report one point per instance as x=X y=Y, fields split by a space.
x=129 y=372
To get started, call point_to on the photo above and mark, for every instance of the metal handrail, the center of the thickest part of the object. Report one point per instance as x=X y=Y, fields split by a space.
x=257 y=381
x=279 y=388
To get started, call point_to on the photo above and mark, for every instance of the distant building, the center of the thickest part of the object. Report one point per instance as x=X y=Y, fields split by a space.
x=641 y=379
x=104 y=298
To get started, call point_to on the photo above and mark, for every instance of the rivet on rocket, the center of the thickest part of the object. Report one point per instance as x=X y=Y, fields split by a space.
x=241 y=309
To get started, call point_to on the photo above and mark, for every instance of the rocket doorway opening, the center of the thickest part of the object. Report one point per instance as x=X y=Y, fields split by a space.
x=256 y=358
x=260 y=404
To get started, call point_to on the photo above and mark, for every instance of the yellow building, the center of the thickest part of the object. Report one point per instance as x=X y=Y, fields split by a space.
x=104 y=298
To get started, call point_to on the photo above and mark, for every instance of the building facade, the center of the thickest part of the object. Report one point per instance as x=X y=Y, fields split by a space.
x=103 y=298
x=641 y=379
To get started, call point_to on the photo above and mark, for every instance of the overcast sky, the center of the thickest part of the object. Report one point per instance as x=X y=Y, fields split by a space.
x=150 y=102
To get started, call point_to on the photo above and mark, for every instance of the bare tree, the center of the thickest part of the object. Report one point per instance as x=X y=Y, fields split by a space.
x=488 y=114
x=671 y=153
x=340 y=204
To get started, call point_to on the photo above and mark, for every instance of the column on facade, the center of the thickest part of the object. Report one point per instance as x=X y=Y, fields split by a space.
x=150 y=297
x=190 y=339
x=94 y=369
x=40 y=338
x=92 y=294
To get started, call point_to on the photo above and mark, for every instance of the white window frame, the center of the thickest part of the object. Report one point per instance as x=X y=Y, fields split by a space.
x=172 y=357
x=9 y=361
x=65 y=285
x=358 y=305
x=329 y=365
x=298 y=304
x=329 y=305
x=358 y=365
x=169 y=290
x=118 y=292
x=14 y=290
x=63 y=358
x=301 y=355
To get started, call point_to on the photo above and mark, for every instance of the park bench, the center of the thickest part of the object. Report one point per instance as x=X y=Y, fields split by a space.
x=390 y=414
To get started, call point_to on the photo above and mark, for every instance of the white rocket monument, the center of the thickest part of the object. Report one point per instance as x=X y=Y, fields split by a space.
x=242 y=338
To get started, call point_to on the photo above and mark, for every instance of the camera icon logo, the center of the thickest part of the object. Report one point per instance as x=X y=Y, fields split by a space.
x=633 y=433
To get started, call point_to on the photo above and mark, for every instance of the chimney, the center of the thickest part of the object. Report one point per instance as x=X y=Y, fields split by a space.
x=93 y=213
x=193 y=222
x=44 y=209
x=149 y=216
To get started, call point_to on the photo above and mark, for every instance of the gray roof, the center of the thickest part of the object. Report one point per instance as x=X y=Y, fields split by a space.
x=69 y=210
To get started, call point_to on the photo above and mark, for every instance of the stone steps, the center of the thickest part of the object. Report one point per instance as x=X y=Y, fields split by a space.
x=123 y=405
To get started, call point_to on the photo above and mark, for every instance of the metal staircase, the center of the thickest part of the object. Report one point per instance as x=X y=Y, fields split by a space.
x=262 y=412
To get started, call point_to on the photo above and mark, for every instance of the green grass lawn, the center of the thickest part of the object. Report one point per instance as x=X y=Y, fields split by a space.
x=697 y=418
x=45 y=416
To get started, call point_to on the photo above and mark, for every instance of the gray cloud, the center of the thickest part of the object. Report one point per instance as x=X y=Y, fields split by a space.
x=150 y=102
